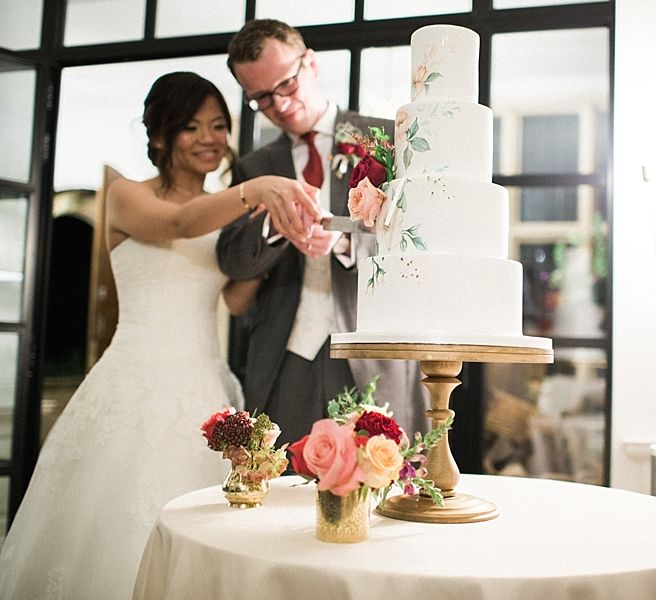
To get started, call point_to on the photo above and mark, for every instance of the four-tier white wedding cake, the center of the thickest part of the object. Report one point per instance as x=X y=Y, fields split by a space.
x=441 y=272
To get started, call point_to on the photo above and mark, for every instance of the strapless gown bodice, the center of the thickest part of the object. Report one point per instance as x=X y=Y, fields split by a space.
x=167 y=292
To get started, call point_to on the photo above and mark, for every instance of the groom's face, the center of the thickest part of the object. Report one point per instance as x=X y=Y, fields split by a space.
x=278 y=62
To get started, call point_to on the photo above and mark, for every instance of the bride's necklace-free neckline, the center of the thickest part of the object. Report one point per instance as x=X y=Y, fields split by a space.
x=186 y=192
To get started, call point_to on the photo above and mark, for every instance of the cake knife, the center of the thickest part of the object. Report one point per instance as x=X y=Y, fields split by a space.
x=344 y=224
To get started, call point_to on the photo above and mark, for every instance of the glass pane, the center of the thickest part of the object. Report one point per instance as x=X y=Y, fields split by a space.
x=390 y=9
x=548 y=90
x=525 y=3
x=547 y=421
x=564 y=289
x=194 y=17
x=104 y=21
x=550 y=143
x=105 y=102
x=549 y=203
x=8 y=373
x=17 y=85
x=20 y=24
x=334 y=69
x=385 y=83
x=305 y=13
x=13 y=225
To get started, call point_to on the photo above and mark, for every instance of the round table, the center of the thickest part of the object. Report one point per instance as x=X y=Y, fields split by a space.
x=552 y=539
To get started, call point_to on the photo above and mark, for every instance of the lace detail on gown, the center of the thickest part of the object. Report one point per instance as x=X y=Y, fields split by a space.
x=129 y=439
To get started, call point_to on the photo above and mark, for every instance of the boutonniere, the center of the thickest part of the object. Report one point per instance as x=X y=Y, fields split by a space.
x=348 y=146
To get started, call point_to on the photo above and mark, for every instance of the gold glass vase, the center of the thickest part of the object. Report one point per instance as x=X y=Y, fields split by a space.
x=242 y=493
x=343 y=519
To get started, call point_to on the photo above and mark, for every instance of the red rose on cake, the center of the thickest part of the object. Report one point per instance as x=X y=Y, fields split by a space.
x=371 y=168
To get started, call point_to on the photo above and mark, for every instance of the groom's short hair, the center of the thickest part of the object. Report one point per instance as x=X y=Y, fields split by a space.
x=247 y=43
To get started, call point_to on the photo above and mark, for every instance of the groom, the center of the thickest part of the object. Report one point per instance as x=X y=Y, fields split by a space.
x=309 y=290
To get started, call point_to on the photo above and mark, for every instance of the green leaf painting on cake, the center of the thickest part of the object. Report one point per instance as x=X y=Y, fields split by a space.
x=377 y=275
x=405 y=128
x=410 y=235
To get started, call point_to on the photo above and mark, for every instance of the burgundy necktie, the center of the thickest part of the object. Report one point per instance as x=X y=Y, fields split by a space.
x=313 y=171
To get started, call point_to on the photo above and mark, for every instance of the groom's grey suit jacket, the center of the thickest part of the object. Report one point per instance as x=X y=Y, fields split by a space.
x=243 y=254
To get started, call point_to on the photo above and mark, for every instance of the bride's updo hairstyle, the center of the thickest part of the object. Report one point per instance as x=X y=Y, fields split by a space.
x=170 y=105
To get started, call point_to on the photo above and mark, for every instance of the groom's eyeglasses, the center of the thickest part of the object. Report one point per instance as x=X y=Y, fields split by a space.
x=286 y=87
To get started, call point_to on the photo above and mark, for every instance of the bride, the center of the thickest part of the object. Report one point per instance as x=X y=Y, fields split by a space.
x=129 y=439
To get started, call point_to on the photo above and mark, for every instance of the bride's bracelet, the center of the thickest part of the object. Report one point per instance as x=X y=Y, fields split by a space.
x=242 y=197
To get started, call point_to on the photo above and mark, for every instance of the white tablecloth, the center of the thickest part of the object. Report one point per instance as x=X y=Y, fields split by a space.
x=552 y=540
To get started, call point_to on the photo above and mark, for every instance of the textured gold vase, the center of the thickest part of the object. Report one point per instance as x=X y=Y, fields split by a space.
x=343 y=519
x=244 y=494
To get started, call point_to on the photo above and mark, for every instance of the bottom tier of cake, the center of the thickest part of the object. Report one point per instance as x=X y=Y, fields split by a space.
x=440 y=298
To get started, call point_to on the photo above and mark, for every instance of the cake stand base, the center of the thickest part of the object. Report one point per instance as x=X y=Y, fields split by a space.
x=441 y=363
x=460 y=508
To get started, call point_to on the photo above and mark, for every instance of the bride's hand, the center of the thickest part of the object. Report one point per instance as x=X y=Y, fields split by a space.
x=283 y=197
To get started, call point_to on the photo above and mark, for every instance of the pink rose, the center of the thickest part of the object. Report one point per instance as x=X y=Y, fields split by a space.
x=331 y=453
x=381 y=461
x=364 y=202
x=298 y=462
x=371 y=168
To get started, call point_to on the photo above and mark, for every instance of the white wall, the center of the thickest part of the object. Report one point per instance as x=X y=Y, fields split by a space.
x=634 y=246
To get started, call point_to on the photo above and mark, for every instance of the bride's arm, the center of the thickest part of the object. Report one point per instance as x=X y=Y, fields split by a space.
x=134 y=209
x=239 y=295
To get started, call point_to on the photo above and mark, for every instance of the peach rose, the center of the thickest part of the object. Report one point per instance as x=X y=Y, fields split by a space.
x=331 y=453
x=364 y=202
x=381 y=461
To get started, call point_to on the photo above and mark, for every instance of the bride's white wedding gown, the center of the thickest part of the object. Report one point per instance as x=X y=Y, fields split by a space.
x=129 y=439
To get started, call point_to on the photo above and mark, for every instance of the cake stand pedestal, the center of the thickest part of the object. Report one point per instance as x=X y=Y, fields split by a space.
x=441 y=363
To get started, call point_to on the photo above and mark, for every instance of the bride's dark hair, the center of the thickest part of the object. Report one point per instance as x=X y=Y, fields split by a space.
x=170 y=105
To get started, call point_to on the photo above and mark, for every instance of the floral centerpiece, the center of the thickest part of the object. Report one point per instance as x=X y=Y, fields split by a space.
x=360 y=451
x=248 y=442
x=373 y=160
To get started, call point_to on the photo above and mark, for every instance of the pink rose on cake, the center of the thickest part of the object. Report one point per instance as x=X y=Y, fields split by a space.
x=364 y=202
x=360 y=446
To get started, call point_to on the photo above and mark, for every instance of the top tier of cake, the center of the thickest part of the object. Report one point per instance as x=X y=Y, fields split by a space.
x=444 y=130
x=444 y=64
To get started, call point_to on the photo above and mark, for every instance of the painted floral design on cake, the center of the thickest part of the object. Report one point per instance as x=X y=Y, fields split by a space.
x=411 y=235
x=407 y=133
x=429 y=68
x=426 y=72
x=377 y=274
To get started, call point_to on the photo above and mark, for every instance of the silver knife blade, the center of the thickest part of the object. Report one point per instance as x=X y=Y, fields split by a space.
x=344 y=224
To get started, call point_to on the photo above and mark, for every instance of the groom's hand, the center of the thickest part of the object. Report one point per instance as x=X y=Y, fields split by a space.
x=319 y=243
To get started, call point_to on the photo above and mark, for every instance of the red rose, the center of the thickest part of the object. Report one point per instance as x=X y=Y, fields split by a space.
x=376 y=423
x=208 y=427
x=298 y=462
x=371 y=168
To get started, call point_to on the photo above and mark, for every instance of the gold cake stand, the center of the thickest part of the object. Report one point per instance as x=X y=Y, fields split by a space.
x=441 y=363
